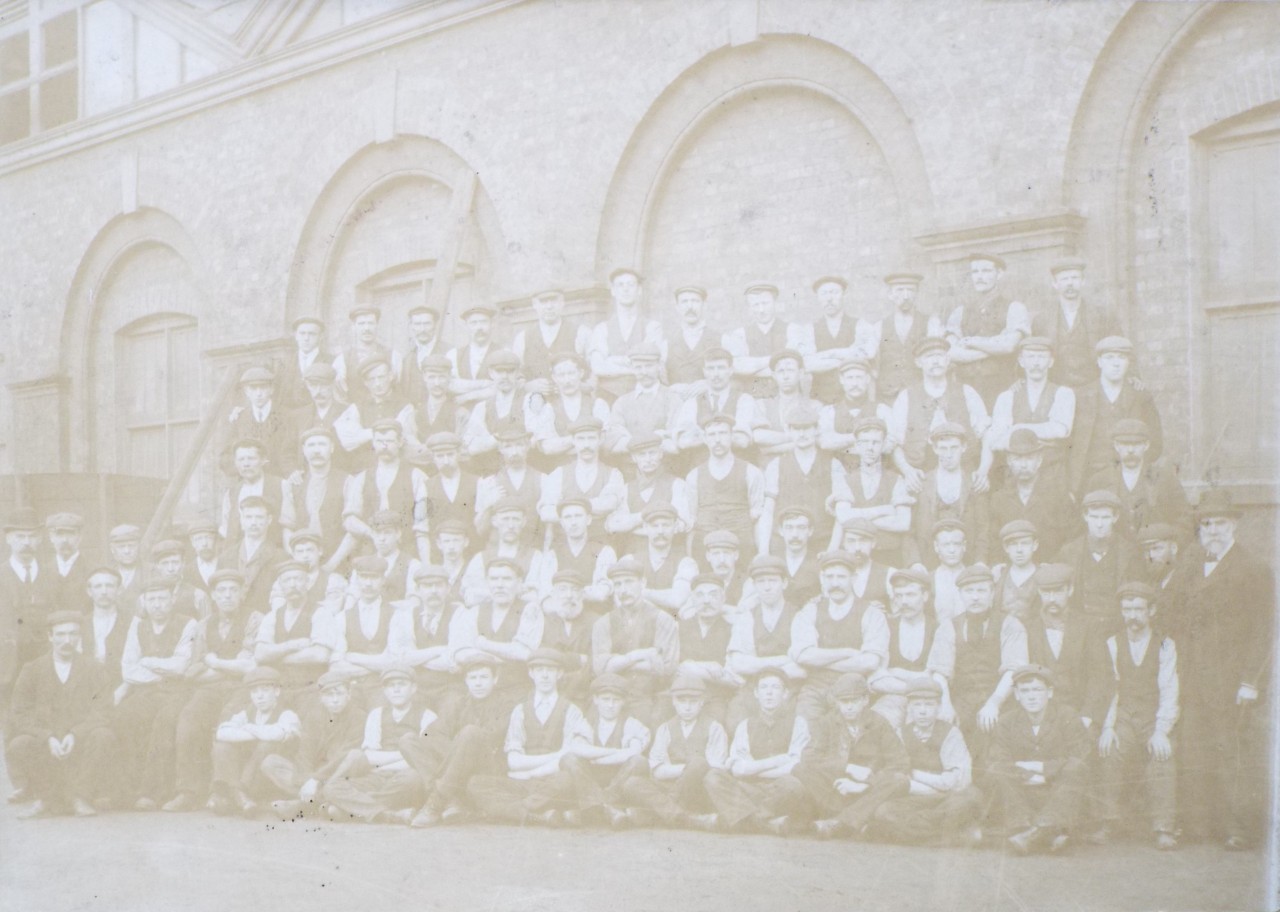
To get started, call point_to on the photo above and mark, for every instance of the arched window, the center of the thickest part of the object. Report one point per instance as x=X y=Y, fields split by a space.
x=157 y=393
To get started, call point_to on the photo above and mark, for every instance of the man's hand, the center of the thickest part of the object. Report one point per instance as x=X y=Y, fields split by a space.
x=119 y=693
x=988 y=716
x=235 y=413
x=1159 y=746
x=68 y=744
x=308 y=790
x=1136 y=383
x=981 y=483
x=913 y=478
x=1246 y=695
x=295 y=478
x=850 y=787
x=858 y=773
x=55 y=748
x=1108 y=742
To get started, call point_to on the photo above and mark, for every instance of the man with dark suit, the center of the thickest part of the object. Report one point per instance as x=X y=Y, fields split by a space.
x=291 y=386
x=252 y=553
x=1224 y=634
x=27 y=594
x=260 y=418
x=1074 y=326
x=64 y=535
x=61 y=744
x=1029 y=493
x=107 y=625
x=1149 y=491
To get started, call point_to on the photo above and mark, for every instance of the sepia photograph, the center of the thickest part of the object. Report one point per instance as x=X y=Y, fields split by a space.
x=639 y=455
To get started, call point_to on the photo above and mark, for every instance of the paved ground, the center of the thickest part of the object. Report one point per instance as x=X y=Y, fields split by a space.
x=197 y=862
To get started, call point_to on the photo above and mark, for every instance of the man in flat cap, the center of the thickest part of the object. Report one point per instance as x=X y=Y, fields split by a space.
x=647 y=410
x=377 y=784
x=724 y=559
x=858 y=766
x=761 y=636
x=1160 y=545
x=296 y=637
x=1031 y=494
x=255 y=477
x=28 y=591
x=899 y=333
x=364 y=634
x=157 y=653
x=835 y=336
x=756 y=791
x=682 y=352
x=124 y=543
x=550 y=335
x=106 y=625
x=168 y=559
x=989 y=646
x=942 y=806
x=424 y=342
x=949 y=545
x=685 y=748
x=727 y=492
x=574 y=551
x=704 y=643
x=765 y=333
x=799 y=551
x=919 y=644
x=933 y=399
x=541 y=730
x=387 y=482
x=570 y=402
x=364 y=346
x=291 y=378
x=718 y=397
x=452 y=492
x=504 y=620
x=1038 y=764
x=600 y=766
x=65 y=530
x=332 y=726
x=514 y=478
x=59 y=745
x=837 y=420
x=668 y=573
x=1035 y=403
x=223 y=655
x=202 y=538
x=1149 y=491
x=469 y=362
x=316 y=498
x=984 y=330
x=387 y=527
x=769 y=430
x=381 y=402
x=947 y=492
x=321 y=411
x=871 y=492
x=428 y=653
x=508 y=542
x=1111 y=396
x=1100 y=560
x=1075 y=325
x=1016 y=584
x=435 y=411
x=837 y=633
x=507 y=407
x=1224 y=630
x=585 y=476
x=1142 y=694
x=1060 y=639
x=245 y=739
x=259 y=417
x=252 y=553
x=625 y=327
x=567 y=627
x=637 y=640
x=803 y=476
x=651 y=482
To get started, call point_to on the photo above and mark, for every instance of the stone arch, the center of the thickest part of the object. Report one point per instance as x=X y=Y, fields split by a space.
x=408 y=168
x=121 y=241
x=838 y=84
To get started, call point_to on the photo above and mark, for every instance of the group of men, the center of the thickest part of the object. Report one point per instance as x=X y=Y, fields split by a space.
x=911 y=578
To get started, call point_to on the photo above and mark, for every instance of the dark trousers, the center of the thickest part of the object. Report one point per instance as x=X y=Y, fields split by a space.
x=979 y=742
x=670 y=798
x=193 y=741
x=1222 y=789
x=1053 y=805
x=238 y=765
x=447 y=765
x=282 y=777
x=145 y=723
x=363 y=792
x=515 y=800
x=83 y=774
x=1132 y=765
x=929 y=819
x=740 y=799
x=596 y=785
x=855 y=811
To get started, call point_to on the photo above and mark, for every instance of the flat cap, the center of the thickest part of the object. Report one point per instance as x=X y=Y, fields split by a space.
x=444 y=440
x=766 y=287
x=706 y=579
x=1137 y=589
x=387 y=424
x=166 y=546
x=70 y=521
x=370 y=565
x=396 y=673
x=831 y=558
x=54 y=618
x=302 y=536
x=202 y=525
x=423 y=309
x=256 y=677
x=103 y=568
x=510 y=432
x=930 y=343
x=690 y=289
x=658 y=510
x=903 y=277
x=569 y=578
x=988 y=257
x=387 y=519
x=576 y=500
x=1102 y=498
x=1118 y=344
x=717 y=418
x=864 y=527
x=627 y=566
x=917 y=576
x=256 y=375
x=558 y=358
x=686 y=686
x=123 y=533
x=767 y=565
x=830 y=280
x=331 y=679
x=226 y=575
x=545 y=655
x=869 y=423
x=314 y=321
x=430 y=571
x=356 y=313
x=721 y=538
x=500 y=563
x=320 y=372
x=478 y=658
x=1037 y=343
x=317 y=431
x=948 y=429
x=716 y=354
x=854 y=363
x=924 y=687
x=372 y=361
x=802 y=414
x=1159 y=531
x=1065 y=263
x=1030 y=672
x=1130 y=430
x=1054 y=576
x=645 y=351
x=785 y=354
x=510 y=504
x=625 y=270
x=504 y=359
x=588 y=424
x=609 y=683
x=479 y=309
x=850 y=686
x=159 y=584
x=435 y=364
x=293 y=566
x=949 y=524
x=641 y=442
x=974 y=573
x=1017 y=528
x=796 y=512
x=453 y=527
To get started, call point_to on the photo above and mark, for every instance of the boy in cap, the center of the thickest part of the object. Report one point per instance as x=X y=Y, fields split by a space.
x=1016 y=590
x=600 y=766
x=245 y=739
x=1029 y=493
x=704 y=644
x=1100 y=560
x=947 y=492
x=685 y=748
x=542 y=729
x=899 y=334
x=223 y=655
x=59 y=744
x=330 y=730
x=949 y=544
x=377 y=783
x=475 y=726
x=636 y=639
x=857 y=767
x=1111 y=396
x=64 y=536
x=941 y=807
x=158 y=651
x=936 y=398
x=1149 y=490
x=1140 y=716
x=835 y=337
x=984 y=331
x=624 y=328
x=756 y=789
x=761 y=636
x=1037 y=764
x=836 y=634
